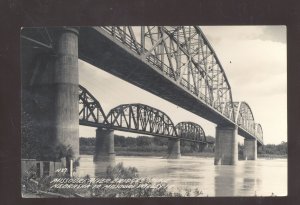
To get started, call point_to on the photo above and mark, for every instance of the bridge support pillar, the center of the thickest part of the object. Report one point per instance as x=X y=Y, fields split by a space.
x=226 y=150
x=50 y=95
x=105 y=148
x=174 y=149
x=250 y=149
x=65 y=83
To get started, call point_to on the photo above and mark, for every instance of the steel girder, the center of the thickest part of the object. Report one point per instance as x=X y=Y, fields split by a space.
x=141 y=118
x=183 y=54
x=90 y=109
x=259 y=132
x=190 y=130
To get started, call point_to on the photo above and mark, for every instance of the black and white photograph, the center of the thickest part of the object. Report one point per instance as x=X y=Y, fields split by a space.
x=154 y=111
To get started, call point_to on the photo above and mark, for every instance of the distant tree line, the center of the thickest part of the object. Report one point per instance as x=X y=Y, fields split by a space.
x=268 y=149
x=146 y=144
x=280 y=149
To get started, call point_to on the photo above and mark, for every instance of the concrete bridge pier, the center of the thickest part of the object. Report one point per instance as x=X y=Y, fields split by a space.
x=65 y=84
x=226 y=149
x=174 y=149
x=250 y=149
x=201 y=147
x=50 y=93
x=105 y=148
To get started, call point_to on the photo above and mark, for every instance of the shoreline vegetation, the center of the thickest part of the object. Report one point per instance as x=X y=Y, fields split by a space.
x=119 y=181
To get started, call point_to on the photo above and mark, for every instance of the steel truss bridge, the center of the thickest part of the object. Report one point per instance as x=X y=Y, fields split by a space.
x=176 y=63
x=136 y=118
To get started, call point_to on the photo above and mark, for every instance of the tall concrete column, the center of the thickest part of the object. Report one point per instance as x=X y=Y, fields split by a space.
x=174 y=149
x=226 y=150
x=66 y=80
x=105 y=148
x=50 y=93
x=250 y=149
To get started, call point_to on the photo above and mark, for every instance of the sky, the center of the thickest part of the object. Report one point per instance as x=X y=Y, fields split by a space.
x=255 y=62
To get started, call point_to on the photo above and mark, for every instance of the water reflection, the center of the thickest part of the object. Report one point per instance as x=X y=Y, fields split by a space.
x=249 y=173
x=225 y=180
x=240 y=180
x=176 y=170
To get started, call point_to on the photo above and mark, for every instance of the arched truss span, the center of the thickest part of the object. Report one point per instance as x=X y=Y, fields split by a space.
x=259 y=132
x=183 y=54
x=191 y=131
x=90 y=109
x=245 y=119
x=141 y=118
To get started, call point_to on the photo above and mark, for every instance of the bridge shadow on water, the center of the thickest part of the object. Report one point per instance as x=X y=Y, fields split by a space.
x=225 y=180
x=239 y=180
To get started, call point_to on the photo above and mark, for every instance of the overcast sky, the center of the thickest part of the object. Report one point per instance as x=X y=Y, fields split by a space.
x=257 y=74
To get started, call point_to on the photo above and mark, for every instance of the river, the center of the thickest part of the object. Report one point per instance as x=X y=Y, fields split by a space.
x=263 y=177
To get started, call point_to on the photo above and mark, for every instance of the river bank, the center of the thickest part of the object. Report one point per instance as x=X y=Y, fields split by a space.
x=272 y=156
x=195 y=154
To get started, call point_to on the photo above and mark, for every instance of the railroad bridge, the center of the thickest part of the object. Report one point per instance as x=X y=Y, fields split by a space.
x=176 y=63
x=135 y=118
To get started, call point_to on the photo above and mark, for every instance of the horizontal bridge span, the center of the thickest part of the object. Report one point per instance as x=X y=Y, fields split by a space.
x=190 y=130
x=142 y=118
x=99 y=125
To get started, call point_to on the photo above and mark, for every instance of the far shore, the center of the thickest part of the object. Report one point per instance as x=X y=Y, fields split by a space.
x=272 y=156
x=196 y=154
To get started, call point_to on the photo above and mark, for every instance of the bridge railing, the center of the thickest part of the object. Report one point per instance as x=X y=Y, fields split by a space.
x=136 y=47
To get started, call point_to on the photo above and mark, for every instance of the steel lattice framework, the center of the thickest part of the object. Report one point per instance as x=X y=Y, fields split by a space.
x=192 y=131
x=183 y=54
x=259 y=132
x=142 y=119
x=90 y=109
x=245 y=119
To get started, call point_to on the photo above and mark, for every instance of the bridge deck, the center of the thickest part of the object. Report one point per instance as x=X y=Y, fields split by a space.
x=93 y=124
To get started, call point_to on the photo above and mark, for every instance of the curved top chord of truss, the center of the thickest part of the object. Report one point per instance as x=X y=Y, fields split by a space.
x=259 y=132
x=190 y=130
x=184 y=55
x=245 y=119
x=141 y=119
x=90 y=109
